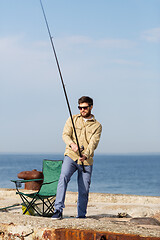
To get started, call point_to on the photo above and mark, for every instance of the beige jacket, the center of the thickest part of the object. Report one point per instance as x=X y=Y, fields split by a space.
x=88 y=134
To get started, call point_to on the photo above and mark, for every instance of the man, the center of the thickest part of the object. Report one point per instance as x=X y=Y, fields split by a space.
x=88 y=131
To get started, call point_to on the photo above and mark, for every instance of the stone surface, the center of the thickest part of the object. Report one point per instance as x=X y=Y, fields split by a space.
x=113 y=213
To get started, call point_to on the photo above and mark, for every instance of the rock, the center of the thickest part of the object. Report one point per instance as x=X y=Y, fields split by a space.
x=145 y=221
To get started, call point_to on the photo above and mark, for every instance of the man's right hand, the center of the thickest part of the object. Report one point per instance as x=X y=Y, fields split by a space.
x=74 y=147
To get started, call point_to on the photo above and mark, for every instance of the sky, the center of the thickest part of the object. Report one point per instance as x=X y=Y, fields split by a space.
x=108 y=50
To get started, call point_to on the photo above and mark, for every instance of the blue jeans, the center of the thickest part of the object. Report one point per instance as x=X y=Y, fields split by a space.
x=84 y=179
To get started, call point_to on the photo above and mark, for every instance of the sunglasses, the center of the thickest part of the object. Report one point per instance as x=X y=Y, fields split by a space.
x=80 y=108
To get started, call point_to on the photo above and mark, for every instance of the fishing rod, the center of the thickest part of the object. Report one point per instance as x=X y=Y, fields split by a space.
x=61 y=78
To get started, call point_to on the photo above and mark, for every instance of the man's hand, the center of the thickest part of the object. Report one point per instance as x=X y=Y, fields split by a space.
x=82 y=158
x=74 y=147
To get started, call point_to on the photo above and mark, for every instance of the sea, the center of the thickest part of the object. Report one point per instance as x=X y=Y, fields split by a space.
x=117 y=174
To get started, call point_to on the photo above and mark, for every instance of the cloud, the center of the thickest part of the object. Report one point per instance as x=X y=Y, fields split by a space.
x=152 y=35
x=126 y=62
x=78 y=40
x=116 y=43
x=102 y=42
x=24 y=59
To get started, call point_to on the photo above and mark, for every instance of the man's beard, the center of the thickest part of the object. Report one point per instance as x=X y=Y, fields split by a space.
x=86 y=114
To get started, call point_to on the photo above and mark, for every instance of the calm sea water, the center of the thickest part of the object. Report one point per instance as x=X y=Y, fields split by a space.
x=124 y=174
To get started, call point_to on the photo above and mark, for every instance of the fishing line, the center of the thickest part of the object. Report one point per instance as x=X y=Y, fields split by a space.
x=61 y=78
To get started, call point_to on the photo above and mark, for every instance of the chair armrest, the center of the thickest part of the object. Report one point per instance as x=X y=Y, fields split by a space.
x=50 y=182
x=19 y=182
x=24 y=181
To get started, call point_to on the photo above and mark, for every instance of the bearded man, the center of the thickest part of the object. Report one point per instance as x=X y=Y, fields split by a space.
x=88 y=131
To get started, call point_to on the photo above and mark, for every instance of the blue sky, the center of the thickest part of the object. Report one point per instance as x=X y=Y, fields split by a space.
x=109 y=50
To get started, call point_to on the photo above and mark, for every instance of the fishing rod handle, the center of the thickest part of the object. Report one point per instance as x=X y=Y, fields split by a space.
x=83 y=167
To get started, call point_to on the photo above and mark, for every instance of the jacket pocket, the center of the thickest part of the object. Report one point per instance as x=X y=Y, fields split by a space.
x=89 y=135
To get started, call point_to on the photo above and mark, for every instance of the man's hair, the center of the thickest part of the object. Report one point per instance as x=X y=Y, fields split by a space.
x=86 y=99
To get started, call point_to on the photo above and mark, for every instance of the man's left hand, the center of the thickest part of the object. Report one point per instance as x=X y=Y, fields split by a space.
x=82 y=158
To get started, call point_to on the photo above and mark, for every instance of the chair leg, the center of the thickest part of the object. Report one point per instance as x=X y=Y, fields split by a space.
x=43 y=207
x=49 y=206
x=29 y=205
x=32 y=204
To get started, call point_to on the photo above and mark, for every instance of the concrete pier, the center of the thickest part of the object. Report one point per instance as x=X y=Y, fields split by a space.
x=109 y=216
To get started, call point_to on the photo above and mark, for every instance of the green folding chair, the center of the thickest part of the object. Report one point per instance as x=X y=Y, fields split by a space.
x=42 y=201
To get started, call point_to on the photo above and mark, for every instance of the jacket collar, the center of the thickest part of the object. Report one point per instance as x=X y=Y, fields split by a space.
x=92 y=119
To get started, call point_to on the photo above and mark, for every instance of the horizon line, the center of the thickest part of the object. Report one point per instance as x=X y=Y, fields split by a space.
x=58 y=153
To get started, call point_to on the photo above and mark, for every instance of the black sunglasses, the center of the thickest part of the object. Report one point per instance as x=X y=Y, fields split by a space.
x=85 y=107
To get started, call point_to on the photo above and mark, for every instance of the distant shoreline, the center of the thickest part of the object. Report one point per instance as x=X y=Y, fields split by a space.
x=96 y=154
